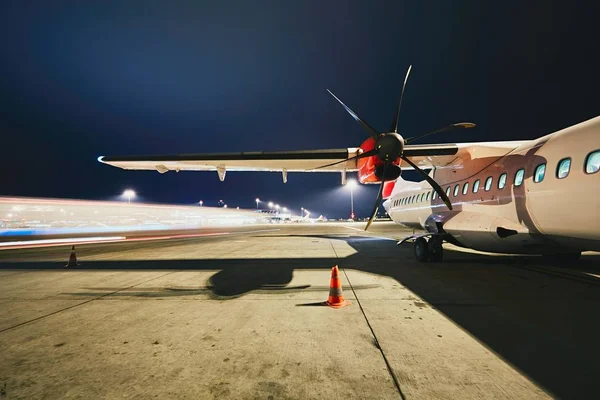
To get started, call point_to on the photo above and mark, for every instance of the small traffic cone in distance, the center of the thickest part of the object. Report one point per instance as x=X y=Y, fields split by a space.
x=336 y=298
x=72 y=259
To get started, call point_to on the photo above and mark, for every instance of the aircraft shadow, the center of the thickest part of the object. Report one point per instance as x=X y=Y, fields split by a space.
x=544 y=325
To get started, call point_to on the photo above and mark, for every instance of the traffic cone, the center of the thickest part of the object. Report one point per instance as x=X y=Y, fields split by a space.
x=72 y=259
x=336 y=298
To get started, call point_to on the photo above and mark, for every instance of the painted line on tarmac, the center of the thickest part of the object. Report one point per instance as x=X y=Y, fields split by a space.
x=369 y=234
x=376 y=341
x=85 y=302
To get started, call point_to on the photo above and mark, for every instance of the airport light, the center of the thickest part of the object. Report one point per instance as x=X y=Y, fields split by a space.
x=257 y=201
x=201 y=203
x=270 y=204
x=225 y=206
x=277 y=207
x=352 y=184
x=129 y=194
x=284 y=209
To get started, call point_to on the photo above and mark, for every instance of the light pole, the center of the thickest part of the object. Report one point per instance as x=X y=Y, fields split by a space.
x=270 y=205
x=352 y=185
x=129 y=194
x=301 y=212
x=257 y=201
x=201 y=203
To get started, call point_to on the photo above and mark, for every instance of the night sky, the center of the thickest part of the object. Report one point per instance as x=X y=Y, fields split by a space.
x=84 y=79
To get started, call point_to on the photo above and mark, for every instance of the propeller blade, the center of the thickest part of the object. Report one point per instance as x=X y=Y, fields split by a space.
x=362 y=155
x=463 y=125
x=433 y=183
x=367 y=127
x=394 y=127
x=379 y=196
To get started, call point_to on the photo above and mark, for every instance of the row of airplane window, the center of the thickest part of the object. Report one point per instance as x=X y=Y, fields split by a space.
x=592 y=165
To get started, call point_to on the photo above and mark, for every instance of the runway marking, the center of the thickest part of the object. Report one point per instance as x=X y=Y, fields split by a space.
x=370 y=234
x=375 y=340
x=85 y=302
x=578 y=276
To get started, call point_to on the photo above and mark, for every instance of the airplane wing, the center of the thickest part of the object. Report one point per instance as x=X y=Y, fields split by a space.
x=453 y=155
x=273 y=161
x=447 y=155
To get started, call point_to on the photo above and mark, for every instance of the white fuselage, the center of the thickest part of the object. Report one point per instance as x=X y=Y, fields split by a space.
x=537 y=216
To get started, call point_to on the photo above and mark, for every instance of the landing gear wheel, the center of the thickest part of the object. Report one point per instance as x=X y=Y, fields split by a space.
x=421 y=249
x=436 y=251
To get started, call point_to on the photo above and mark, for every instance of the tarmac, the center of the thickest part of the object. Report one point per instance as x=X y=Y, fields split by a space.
x=241 y=317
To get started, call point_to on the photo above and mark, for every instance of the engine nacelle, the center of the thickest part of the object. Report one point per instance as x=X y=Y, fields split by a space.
x=371 y=169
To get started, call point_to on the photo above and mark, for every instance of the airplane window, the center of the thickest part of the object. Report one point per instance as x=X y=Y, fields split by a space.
x=539 y=173
x=427 y=197
x=434 y=195
x=456 y=190
x=564 y=166
x=488 y=183
x=448 y=191
x=592 y=162
x=519 y=177
x=502 y=181
x=466 y=188
x=476 y=186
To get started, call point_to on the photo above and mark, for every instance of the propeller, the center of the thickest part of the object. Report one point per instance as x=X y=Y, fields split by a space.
x=354 y=115
x=369 y=153
x=378 y=200
x=463 y=125
x=389 y=147
x=394 y=127
x=433 y=183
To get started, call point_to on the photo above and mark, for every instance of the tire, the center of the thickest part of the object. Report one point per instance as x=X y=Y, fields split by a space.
x=421 y=249
x=436 y=251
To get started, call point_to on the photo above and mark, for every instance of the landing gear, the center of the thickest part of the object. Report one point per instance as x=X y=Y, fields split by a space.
x=431 y=250
x=421 y=249
x=436 y=251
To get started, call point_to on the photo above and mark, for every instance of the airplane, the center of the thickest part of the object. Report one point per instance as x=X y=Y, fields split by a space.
x=538 y=196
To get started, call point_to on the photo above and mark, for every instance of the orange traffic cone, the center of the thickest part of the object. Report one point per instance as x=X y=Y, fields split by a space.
x=336 y=298
x=72 y=259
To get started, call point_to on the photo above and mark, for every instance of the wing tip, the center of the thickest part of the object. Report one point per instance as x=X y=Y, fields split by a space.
x=101 y=159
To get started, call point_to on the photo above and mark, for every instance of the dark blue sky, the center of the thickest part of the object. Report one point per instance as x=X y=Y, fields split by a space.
x=79 y=80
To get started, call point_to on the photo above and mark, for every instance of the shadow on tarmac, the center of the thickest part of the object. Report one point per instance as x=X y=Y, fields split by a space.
x=546 y=326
